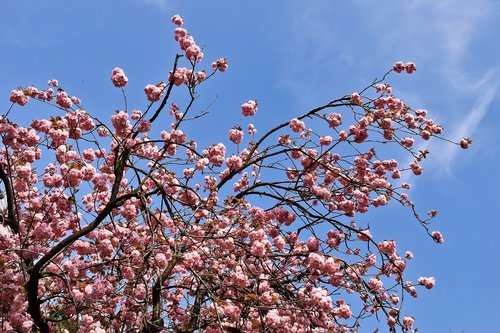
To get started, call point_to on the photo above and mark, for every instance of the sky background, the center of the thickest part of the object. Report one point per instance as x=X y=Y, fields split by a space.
x=294 y=55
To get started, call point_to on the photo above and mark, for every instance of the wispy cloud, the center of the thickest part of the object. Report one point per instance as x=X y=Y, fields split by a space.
x=438 y=34
x=162 y=4
x=469 y=125
x=444 y=154
x=453 y=23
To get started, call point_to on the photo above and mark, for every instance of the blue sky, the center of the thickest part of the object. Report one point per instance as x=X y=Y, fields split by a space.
x=292 y=55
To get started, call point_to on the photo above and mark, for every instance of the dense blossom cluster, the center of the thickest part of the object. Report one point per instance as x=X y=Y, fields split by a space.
x=133 y=228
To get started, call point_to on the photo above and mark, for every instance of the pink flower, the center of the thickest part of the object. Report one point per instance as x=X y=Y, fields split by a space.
x=63 y=100
x=421 y=113
x=343 y=311
x=100 y=182
x=425 y=134
x=234 y=162
x=417 y=169
x=258 y=248
x=325 y=140
x=408 y=321
x=387 y=247
x=315 y=261
x=364 y=235
x=410 y=67
x=251 y=129
x=121 y=123
x=427 y=282
x=201 y=75
x=407 y=142
x=236 y=135
x=297 y=125
x=180 y=34
x=464 y=143
x=144 y=126
x=409 y=255
x=53 y=83
x=398 y=67
x=136 y=115
x=181 y=75
x=375 y=284
x=313 y=244
x=356 y=99
x=17 y=96
x=381 y=200
x=177 y=20
x=438 y=238
x=118 y=78
x=249 y=108
x=215 y=154
x=154 y=92
x=220 y=65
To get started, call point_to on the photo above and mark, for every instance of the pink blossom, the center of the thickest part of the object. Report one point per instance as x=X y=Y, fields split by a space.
x=375 y=284
x=427 y=282
x=325 y=140
x=343 y=311
x=399 y=67
x=251 y=129
x=356 y=99
x=417 y=169
x=464 y=143
x=407 y=142
x=236 y=135
x=234 y=162
x=180 y=34
x=438 y=237
x=34 y=92
x=410 y=67
x=381 y=200
x=259 y=248
x=408 y=321
x=364 y=235
x=297 y=125
x=284 y=139
x=279 y=242
x=154 y=92
x=118 y=78
x=177 y=20
x=17 y=96
x=215 y=154
x=391 y=321
x=53 y=83
x=334 y=120
x=63 y=100
x=220 y=65
x=387 y=247
x=144 y=126
x=249 y=108
x=421 y=113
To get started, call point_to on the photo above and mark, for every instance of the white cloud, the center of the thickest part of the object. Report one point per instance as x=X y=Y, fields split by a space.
x=452 y=23
x=468 y=126
x=443 y=154
x=162 y=4
x=440 y=34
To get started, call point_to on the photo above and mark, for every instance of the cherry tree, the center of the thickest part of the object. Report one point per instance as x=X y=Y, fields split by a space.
x=129 y=225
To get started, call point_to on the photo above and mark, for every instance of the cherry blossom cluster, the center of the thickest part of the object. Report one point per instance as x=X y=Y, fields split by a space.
x=128 y=224
x=186 y=41
x=400 y=66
